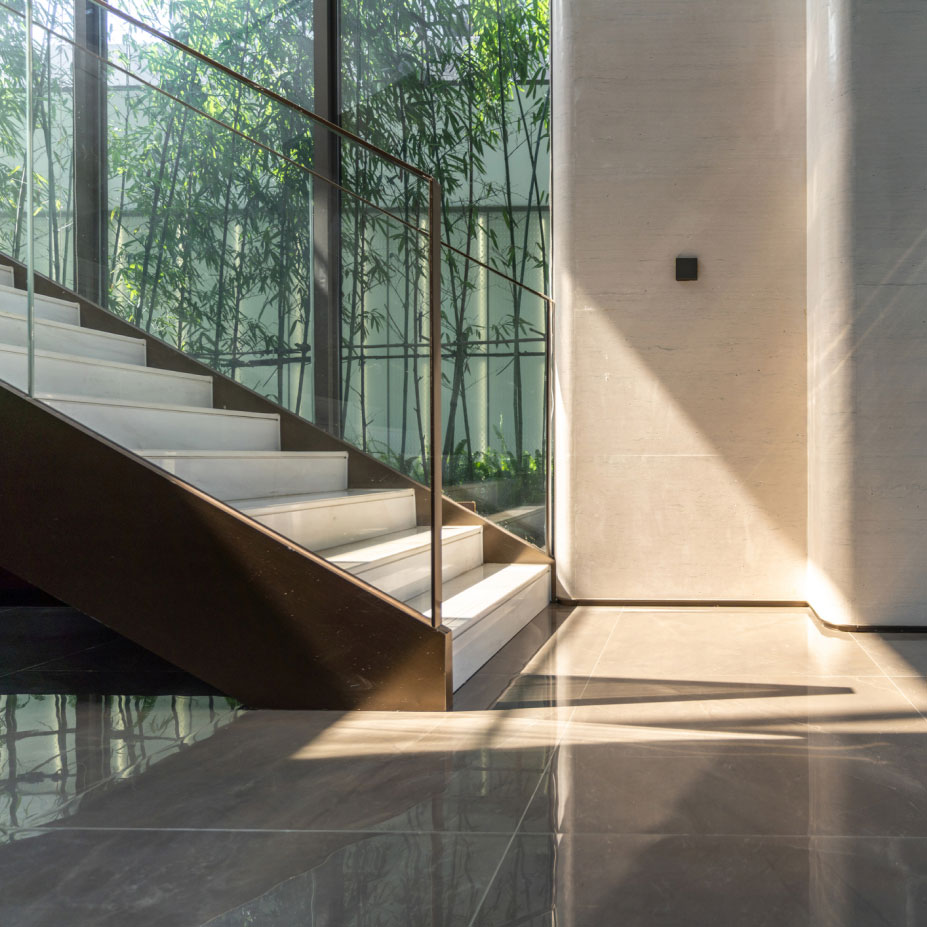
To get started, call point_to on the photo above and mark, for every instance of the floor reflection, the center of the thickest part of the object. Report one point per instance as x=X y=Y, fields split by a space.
x=661 y=767
x=54 y=748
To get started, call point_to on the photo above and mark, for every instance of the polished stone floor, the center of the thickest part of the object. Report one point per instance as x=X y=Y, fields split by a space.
x=610 y=767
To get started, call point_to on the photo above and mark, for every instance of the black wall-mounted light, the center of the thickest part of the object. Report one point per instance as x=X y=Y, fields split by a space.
x=687 y=268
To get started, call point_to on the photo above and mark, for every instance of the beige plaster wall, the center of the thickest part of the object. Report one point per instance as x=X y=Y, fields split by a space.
x=679 y=127
x=867 y=310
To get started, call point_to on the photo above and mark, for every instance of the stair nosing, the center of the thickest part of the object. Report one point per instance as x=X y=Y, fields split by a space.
x=461 y=532
x=347 y=497
x=68 y=327
x=57 y=300
x=473 y=620
x=538 y=569
x=100 y=362
x=247 y=455
x=138 y=404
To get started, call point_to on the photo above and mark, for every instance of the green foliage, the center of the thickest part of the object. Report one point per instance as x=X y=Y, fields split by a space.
x=211 y=203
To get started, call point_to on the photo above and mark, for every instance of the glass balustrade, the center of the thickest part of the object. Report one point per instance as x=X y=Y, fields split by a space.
x=277 y=250
x=227 y=223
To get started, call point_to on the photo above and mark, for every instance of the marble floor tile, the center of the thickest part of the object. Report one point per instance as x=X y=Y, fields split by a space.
x=230 y=879
x=667 y=881
x=914 y=690
x=578 y=644
x=612 y=766
x=896 y=654
x=357 y=772
x=715 y=643
x=835 y=755
x=55 y=750
x=825 y=784
x=738 y=708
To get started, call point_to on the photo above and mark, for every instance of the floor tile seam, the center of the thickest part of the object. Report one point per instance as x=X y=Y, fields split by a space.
x=546 y=772
x=750 y=835
x=872 y=658
x=505 y=852
x=891 y=679
x=598 y=660
x=763 y=675
x=222 y=915
x=267 y=892
x=363 y=831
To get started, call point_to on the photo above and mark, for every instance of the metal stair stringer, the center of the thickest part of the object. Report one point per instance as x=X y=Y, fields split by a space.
x=199 y=583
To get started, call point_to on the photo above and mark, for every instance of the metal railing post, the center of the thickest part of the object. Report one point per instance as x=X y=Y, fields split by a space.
x=30 y=209
x=434 y=352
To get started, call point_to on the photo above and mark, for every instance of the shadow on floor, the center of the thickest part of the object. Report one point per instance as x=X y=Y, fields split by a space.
x=56 y=650
x=543 y=690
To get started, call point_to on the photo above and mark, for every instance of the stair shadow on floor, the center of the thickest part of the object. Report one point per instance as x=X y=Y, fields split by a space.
x=543 y=690
x=60 y=651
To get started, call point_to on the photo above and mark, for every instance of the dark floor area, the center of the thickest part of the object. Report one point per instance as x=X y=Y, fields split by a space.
x=55 y=650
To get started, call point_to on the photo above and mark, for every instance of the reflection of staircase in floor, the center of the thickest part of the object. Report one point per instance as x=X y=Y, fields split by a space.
x=101 y=380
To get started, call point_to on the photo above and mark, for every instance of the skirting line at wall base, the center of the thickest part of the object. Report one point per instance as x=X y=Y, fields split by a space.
x=683 y=603
x=871 y=628
x=738 y=603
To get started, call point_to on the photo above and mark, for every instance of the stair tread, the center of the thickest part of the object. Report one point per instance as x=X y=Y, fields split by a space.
x=474 y=594
x=99 y=362
x=247 y=455
x=138 y=404
x=49 y=299
x=388 y=547
x=294 y=501
x=71 y=329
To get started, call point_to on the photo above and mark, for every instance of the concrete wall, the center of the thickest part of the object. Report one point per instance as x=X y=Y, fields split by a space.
x=679 y=127
x=867 y=310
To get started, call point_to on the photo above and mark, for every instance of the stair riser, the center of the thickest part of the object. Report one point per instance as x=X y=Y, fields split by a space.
x=411 y=575
x=83 y=378
x=81 y=341
x=491 y=633
x=241 y=479
x=135 y=428
x=321 y=526
x=44 y=307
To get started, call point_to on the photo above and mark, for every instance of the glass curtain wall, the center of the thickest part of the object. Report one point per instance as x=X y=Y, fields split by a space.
x=330 y=313
x=461 y=88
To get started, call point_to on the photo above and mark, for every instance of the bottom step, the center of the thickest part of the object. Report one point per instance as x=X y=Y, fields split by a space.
x=486 y=607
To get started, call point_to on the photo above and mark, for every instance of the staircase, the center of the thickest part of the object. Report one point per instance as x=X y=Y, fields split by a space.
x=363 y=536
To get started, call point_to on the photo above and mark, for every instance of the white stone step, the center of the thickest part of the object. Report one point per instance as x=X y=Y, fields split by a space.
x=486 y=607
x=251 y=474
x=321 y=520
x=82 y=376
x=6 y=275
x=70 y=339
x=400 y=564
x=49 y=308
x=143 y=424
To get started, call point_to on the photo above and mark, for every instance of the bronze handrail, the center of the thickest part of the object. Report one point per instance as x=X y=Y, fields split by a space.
x=307 y=113
x=436 y=243
x=266 y=91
